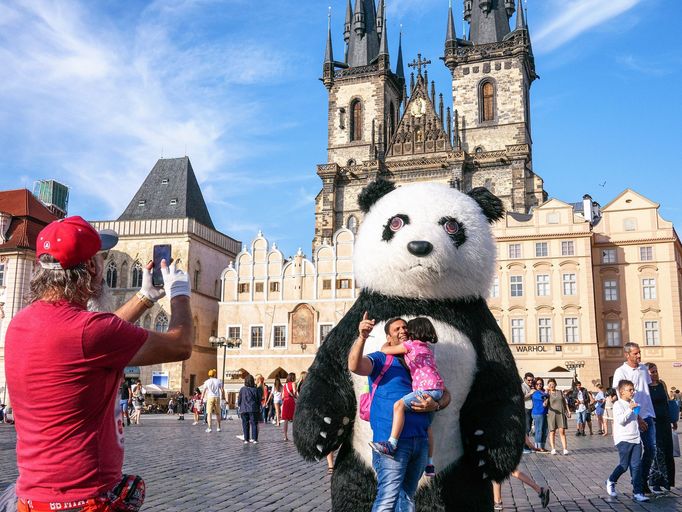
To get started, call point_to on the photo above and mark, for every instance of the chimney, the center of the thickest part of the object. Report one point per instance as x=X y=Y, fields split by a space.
x=587 y=208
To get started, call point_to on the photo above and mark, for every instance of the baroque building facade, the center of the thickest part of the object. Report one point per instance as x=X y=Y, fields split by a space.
x=574 y=281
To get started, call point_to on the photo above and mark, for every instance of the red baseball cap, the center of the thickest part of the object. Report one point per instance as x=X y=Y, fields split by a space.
x=72 y=241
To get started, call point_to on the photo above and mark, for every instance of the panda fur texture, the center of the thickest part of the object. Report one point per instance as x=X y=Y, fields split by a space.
x=438 y=262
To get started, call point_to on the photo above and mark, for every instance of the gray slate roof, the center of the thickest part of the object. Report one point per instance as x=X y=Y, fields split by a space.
x=489 y=27
x=170 y=191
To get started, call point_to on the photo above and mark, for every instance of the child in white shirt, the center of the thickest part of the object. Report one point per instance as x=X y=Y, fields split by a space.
x=627 y=441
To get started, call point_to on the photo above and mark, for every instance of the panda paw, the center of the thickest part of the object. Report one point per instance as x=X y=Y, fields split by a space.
x=324 y=435
x=478 y=453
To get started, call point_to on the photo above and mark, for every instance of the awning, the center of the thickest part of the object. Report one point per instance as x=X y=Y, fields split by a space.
x=155 y=389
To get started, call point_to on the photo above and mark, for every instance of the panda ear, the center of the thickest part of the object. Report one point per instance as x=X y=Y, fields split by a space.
x=373 y=192
x=490 y=204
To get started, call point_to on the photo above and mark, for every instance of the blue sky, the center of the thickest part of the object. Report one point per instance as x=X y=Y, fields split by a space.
x=93 y=93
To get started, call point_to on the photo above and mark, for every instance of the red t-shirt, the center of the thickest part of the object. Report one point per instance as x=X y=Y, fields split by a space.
x=64 y=367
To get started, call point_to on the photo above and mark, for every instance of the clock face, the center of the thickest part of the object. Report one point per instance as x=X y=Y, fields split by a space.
x=418 y=107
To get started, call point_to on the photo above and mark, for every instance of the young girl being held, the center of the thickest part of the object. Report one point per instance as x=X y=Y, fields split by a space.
x=426 y=380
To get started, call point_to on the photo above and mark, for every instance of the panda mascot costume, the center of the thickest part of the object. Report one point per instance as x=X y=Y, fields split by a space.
x=422 y=250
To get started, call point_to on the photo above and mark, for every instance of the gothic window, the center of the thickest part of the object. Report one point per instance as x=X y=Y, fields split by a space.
x=137 y=275
x=352 y=224
x=124 y=275
x=487 y=101
x=197 y=275
x=342 y=118
x=112 y=275
x=356 y=121
x=147 y=322
x=392 y=121
x=161 y=324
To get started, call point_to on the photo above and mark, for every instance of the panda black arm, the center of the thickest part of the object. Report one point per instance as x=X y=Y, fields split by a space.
x=326 y=407
x=493 y=419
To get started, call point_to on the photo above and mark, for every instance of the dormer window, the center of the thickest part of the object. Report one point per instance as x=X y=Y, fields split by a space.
x=141 y=202
x=173 y=201
x=164 y=181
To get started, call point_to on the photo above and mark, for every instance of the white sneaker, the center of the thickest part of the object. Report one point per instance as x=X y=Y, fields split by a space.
x=253 y=441
x=218 y=429
x=640 y=497
x=208 y=430
x=566 y=452
x=240 y=437
x=195 y=423
x=553 y=452
x=611 y=488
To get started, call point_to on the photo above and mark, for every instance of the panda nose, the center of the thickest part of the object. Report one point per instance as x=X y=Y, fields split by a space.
x=420 y=248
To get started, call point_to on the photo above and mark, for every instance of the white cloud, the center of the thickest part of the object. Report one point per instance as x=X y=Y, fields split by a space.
x=100 y=101
x=575 y=17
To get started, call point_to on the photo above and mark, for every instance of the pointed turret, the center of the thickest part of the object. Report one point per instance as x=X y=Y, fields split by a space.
x=359 y=18
x=450 y=36
x=520 y=17
x=381 y=19
x=399 y=69
x=348 y=25
x=489 y=21
x=328 y=66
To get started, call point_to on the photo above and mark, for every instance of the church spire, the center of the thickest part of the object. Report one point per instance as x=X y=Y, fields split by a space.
x=451 y=35
x=359 y=18
x=520 y=17
x=489 y=21
x=381 y=19
x=329 y=52
x=399 y=69
x=347 y=27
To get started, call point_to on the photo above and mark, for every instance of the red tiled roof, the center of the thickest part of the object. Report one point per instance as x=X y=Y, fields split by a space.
x=29 y=216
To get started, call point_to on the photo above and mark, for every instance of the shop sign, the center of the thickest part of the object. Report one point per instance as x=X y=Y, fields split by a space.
x=531 y=348
x=677 y=364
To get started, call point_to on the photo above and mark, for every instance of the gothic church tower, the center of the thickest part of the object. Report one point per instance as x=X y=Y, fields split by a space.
x=492 y=71
x=364 y=103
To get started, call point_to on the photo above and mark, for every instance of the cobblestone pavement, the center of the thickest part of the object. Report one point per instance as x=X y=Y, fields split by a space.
x=187 y=469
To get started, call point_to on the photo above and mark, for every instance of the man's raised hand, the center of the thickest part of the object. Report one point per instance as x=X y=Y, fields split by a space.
x=366 y=326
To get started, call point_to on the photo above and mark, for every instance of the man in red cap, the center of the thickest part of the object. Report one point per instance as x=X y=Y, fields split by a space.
x=70 y=452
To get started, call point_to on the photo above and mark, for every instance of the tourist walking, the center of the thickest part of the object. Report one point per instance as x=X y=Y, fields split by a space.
x=213 y=392
x=611 y=397
x=599 y=409
x=276 y=399
x=289 y=396
x=124 y=400
x=265 y=395
x=180 y=404
x=557 y=416
x=248 y=405
x=637 y=373
x=138 y=402
x=540 y=407
x=196 y=405
x=582 y=401
x=662 y=475
x=528 y=388
x=627 y=441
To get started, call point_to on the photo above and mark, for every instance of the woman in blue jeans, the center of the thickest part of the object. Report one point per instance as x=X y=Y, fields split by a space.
x=540 y=405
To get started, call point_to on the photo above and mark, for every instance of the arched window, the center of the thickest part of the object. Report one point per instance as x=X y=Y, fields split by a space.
x=197 y=275
x=137 y=276
x=147 y=322
x=112 y=275
x=352 y=224
x=392 y=121
x=356 y=121
x=161 y=324
x=487 y=101
x=124 y=275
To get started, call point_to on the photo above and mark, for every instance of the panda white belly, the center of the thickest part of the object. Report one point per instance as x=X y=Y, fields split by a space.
x=456 y=360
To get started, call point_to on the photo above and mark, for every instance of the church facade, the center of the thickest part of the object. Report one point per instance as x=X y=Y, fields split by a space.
x=574 y=281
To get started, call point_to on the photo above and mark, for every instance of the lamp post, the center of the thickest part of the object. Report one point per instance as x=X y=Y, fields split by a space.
x=224 y=343
x=574 y=365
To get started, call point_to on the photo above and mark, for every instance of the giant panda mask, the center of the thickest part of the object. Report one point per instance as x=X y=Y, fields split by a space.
x=426 y=241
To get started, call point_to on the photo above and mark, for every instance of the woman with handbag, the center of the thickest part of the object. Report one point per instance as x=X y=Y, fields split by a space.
x=540 y=407
x=662 y=475
x=138 y=402
x=289 y=395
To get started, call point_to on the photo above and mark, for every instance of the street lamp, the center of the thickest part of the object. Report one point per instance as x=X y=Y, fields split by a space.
x=574 y=365
x=224 y=343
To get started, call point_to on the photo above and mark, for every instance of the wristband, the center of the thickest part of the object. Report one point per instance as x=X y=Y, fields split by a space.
x=144 y=300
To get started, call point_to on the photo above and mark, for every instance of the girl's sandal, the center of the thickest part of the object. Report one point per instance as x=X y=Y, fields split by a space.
x=330 y=470
x=498 y=506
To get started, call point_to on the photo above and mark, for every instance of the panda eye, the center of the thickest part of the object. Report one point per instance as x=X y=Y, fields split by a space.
x=396 y=223
x=451 y=227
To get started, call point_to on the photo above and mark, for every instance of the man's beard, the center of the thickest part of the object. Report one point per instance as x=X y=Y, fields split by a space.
x=102 y=300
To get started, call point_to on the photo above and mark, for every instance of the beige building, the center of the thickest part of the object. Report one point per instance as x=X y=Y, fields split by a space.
x=169 y=209
x=280 y=309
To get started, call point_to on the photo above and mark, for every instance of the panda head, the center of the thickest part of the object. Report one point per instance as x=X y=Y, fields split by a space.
x=426 y=240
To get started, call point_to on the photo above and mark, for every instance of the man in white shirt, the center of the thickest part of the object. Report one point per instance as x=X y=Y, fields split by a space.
x=638 y=374
x=528 y=390
x=213 y=392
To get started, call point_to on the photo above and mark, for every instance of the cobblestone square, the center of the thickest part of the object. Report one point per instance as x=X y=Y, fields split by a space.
x=187 y=469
